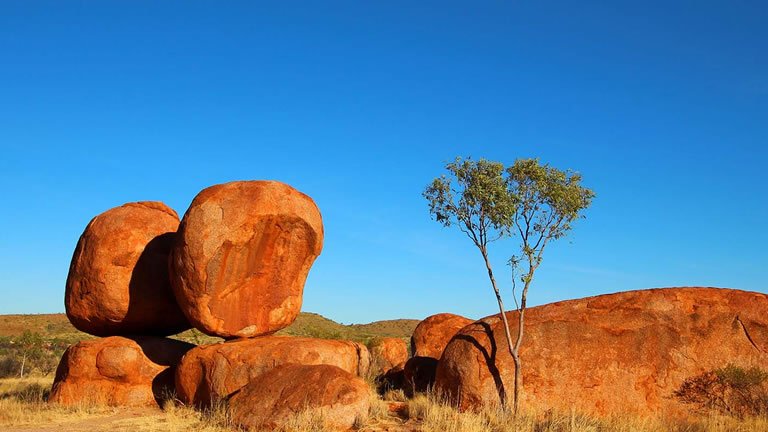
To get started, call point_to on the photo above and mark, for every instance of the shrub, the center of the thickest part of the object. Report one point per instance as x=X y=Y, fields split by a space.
x=731 y=390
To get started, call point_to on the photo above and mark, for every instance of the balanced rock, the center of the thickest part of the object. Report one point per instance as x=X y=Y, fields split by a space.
x=209 y=373
x=242 y=255
x=433 y=333
x=117 y=371
x=332 y=395
x=387 y=353
x=620 y=353
x=118 y=280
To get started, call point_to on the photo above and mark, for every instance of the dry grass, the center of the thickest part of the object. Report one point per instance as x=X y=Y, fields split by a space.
x=437 y=416
x=23 y=404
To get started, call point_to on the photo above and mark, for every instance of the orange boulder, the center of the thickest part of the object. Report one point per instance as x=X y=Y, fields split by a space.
x=270 y=400
x=619 y=353
x=118 y=281
x=117 y=371
x=242 y=255
x=432 y=334
x=210 y=373
x=387 y=353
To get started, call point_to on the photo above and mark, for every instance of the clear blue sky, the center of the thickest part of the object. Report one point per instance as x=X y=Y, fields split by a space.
x=662 y=106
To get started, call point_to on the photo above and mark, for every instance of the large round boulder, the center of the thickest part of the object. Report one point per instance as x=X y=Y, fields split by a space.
x=242 y=255
x=117 y=371
x=620 y=353
x=433 y=333
x=210 y=373
x=387 y=353
x=325 y=393
x=118 y=281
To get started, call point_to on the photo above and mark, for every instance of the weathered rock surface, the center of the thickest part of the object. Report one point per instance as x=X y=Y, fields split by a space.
x=117 y=371
x=432 y=334
x=213 y=372
x=387 y=353
x=118 y=280
x=620 y=353
x=334 y=395
x=242 y=255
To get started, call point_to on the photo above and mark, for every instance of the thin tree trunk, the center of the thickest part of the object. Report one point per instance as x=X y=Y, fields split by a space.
x=504 y=320
x=498 y=299
x=516 y=351
x=23 y=361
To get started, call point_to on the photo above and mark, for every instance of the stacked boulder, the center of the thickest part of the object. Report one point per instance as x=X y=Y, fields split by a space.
x=234 y=267
x=118 y=285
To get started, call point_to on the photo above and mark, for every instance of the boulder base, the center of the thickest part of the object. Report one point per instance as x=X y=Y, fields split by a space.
x=118 y=281
x=117 y=371
x=242 y=255
x=210 y=373
x=270 y=400
x=620 y=353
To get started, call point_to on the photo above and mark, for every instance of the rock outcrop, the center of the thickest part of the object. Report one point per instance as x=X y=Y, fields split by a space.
x=118 y=281
x=242 y=255
x=325 y=392
x=619 y=353
x=117 y=371
x=387 y=353
x=209 y=373
x=432 y=334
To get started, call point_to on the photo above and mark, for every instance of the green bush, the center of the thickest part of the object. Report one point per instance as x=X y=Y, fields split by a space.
x=731 y=390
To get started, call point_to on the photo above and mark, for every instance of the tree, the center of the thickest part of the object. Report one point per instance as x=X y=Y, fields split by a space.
x=488 y=202
x=31 y=348
x=476 y=198
x=548 y=201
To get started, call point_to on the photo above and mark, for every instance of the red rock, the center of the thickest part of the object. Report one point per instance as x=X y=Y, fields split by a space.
x=619 y=353
x=117 y=371
x=268 y=402
x=242 y=255
x=118 y=280
x=432 y=334
x=387 y=353
x=210 y=373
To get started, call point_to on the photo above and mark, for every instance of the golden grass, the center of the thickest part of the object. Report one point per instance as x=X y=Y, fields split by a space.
x=436 y=416
x=23 y=404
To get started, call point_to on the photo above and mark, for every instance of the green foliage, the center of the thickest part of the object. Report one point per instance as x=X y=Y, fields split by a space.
x=475 y=198
x=731 y=390
x=548 y=202
x=29 y=352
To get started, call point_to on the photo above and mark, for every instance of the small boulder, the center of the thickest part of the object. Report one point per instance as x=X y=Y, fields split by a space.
x=242 y=255
x=117 y=371
x=387 y=353
x=328 y=393
x=431 y=336
x=118 y=281
x=210 y=373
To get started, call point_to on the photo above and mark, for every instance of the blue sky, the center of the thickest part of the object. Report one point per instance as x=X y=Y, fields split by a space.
x=662 y=106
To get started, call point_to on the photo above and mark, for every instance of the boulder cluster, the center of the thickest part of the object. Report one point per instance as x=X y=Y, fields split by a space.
x=233 y=267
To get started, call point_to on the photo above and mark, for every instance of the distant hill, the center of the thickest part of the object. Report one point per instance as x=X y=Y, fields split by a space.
x=56 y=326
